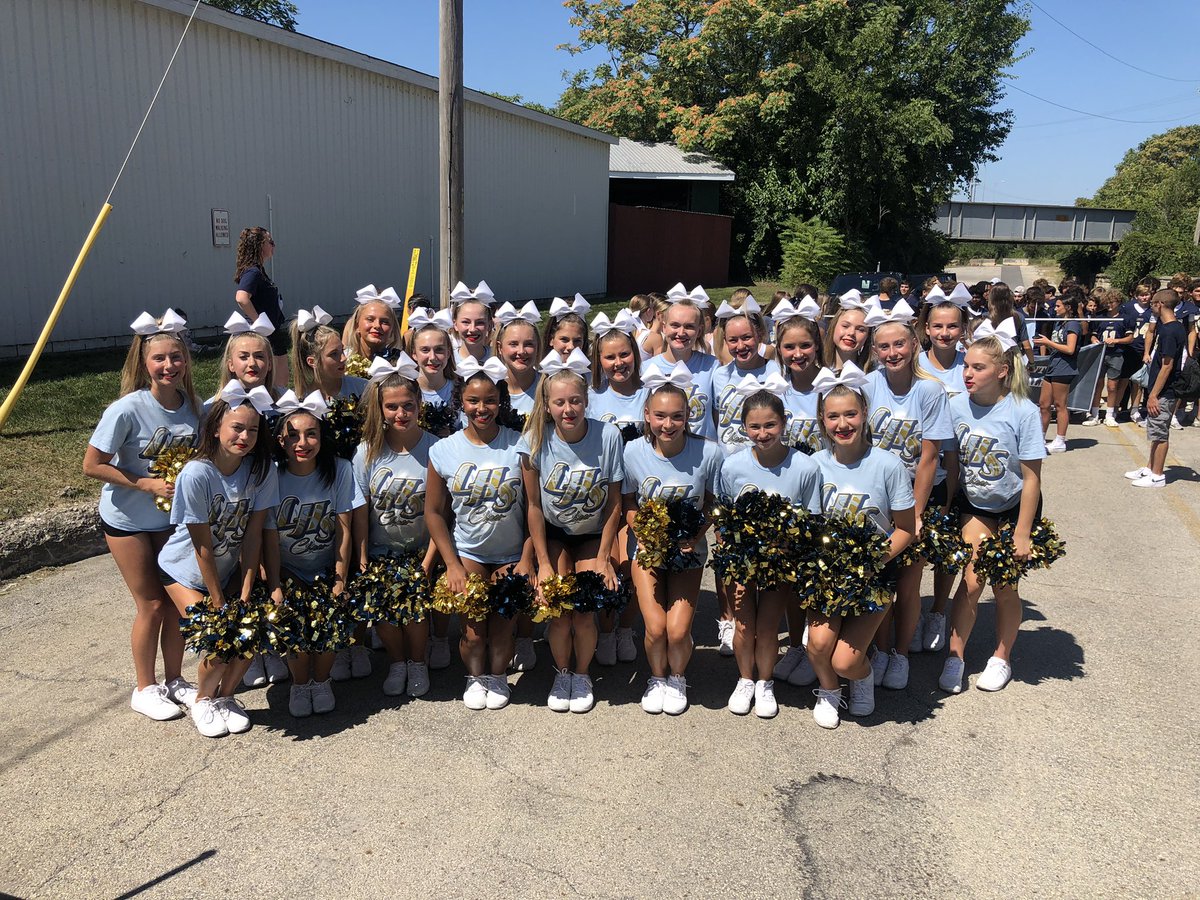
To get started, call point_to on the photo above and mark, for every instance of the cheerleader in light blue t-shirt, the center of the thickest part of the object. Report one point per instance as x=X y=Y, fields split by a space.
x=475 y=475
x=516 y=345
x=319 y=358
x=683 y=330
x=572 y=469
x=428 y=345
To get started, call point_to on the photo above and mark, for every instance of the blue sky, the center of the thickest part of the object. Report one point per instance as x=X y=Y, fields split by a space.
x=1052 y=155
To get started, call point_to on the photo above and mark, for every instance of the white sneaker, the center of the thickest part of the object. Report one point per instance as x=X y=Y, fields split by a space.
x=208 y=720
x=996 y=674
x=475 y=696
x=1141 y=421
x=879 y=665
x=804 y=674
x=1110 y=419
x=1175 y=426
x=652 y=699
x=498 y=692
x=341 y=665
x=787 y=663
x=180 y=690
x=765 y=706
x=1058 y=445
x=397 y=679
x=233 y=713
x=323 y=700
x=896 y=676
x=277 y=669
x=153 y=703
x=300 y=700
x=256 y=675
x=439 y=653
x=560 y=692
x=1135 y=474
x=742 y=697
x=1151 y=481
x=1092 y=419
x=1135 y=416
x=418 y=679
x=606 y=649
x=825 y=712
x=725 y=637
x=917 y=644
x=862 y=696
x=582 y=698
x=626 y=648
x=524 y=656
x=360 y=661
x=934 y=632
x=675 y=695
x=951 y=679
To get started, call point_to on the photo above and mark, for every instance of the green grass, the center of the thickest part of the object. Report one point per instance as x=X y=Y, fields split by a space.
x=41 y=447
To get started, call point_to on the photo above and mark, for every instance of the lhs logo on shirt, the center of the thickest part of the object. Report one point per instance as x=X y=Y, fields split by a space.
x=729 y=415
x=978 y=457
x=895 y=435
x=228 y=522
x=167 y=437
x=487 y=494
x=697 y=405
x=396 y=500
x=802 y=433
x=307 y=526
x=577 y=494
x=653 y=489
x=848 y=503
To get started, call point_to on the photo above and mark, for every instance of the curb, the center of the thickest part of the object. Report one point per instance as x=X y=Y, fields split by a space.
x=59 y=536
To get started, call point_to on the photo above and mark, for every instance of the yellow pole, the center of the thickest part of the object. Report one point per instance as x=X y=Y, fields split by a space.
x=11 y=400
x=408 y=291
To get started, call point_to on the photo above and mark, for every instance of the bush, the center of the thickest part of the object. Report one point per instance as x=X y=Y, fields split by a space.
x=813 y=251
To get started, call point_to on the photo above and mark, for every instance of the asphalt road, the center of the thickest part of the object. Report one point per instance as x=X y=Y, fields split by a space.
x=1079 y=779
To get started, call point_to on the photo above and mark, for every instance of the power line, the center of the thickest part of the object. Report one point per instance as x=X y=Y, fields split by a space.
x=1117 y=59
x=1084 y=112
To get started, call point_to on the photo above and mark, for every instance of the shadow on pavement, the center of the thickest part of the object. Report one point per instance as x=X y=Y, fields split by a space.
x=155 y=882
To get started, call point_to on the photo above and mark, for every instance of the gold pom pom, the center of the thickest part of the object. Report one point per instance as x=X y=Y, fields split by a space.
x=167 y=465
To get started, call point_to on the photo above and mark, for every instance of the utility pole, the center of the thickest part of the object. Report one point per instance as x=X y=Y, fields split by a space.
x=1196 y=233
x=450 y=145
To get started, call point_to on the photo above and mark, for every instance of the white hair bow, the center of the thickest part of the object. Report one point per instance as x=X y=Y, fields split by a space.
x=528 y=313
x=369 y=294
x=697 y=295
x=576 y=362
x=482 y=293
x=420 y=317
x=560 y=307
x=492 y=368
x=852 y=299
x=901 y=313
x=808 y=308
x=404 y=367
x=773 y=383
x=306 y=321
x=235 y=395
x=936 y=295
x=171 y=323
x=239 y=324
x=1005 y=332
x=749 y=305
x=851 y=376
x=960 y=296
x=625 y=320
x=680 y=376
x=314 y=403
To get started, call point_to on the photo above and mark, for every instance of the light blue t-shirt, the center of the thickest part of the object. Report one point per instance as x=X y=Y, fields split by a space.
x=688 y=475
x=306 y=519
x=444 y=394
x=394 y=486
x=700 y=394
x=797 y=477
x=573 y=478
x=900 y=423
x=522 y=402
x=135 y=429
x=486 y=495
x=352 y=386
x=992 y=441
x=204 y=496
x=618 y=409
x=802 y=428
x=872 y=487
x=952 y=377
x=728 y=402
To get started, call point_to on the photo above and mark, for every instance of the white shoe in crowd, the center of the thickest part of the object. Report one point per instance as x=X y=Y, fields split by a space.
x=804 y=674
x=439 y=653
x=341 y=665
x=233 y=713
x=323 y=700
x=652 y=699
x=1058 y=445
x=765 y=706
x=996 y=674
x=626 y=648
x=934 y=632
x=951 y=679
x=300 y=700
x=154 y=703
x=418 y=679
x=879 y=665
x=675 y=699
x=360 y=661
x=1150 y=480
x=725 y=637
x=277 y=669
x=787 y=663
x=862 y=696
x=397 y=679
x=207 y=719
x=475 y=696
x=1135 y=474
x=1110 y=419
x=498 y=691
x=606 y=648
x=524 y=656
x=582 y=698
x=256 y=675
x=560 y=692
x=1175 y=424
x=896 y=676
x=825 y=712
x=180 y=690
x=1092 y=419
x=742 y=697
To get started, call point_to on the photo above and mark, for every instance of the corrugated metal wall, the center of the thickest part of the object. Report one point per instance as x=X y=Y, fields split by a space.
x=344 y=146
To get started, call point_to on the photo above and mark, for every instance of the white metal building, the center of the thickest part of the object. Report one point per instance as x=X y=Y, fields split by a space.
x=334 y=151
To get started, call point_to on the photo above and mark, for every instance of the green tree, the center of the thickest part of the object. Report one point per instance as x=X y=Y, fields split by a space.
x=813 y=252
x=273 y=12
x=864 y=114
x=1139 y=177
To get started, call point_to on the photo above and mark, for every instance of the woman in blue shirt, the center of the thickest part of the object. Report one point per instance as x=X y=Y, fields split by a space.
x=1062 y=344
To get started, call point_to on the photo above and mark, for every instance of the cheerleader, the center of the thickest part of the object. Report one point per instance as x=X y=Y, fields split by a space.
x=647 y=310
x=909 y=418
x=475 y=475
x=516 y=344
x=1062 y=343
x=219 y=510
x=848 y=337
x=309 y=534
x=618 y=398
x=572 y=473
x=567 y=329
x=683 y=329
x=738 y=334
x=670 y=463
x=858 y=479
x=766 y=465
x=430 y=348
x=156 y=412
x=1000 y=459
x=319 y=358
x=472 y=310
x=247 y=357
x=391 y=468
x=372 y=329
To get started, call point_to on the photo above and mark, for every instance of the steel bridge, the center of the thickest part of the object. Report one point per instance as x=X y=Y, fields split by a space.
x=1002 y=223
